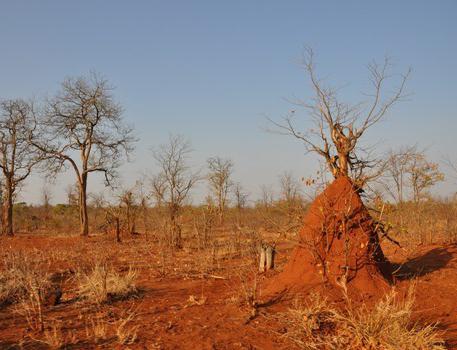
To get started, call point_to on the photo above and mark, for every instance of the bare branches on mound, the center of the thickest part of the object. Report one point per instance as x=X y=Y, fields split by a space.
x=338 y=126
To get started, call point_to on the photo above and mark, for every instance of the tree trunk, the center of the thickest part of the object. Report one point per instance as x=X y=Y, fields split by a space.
x=7 y=209
x=175 y=228
x=83 y=217
x=343 y=161
x=118 y=230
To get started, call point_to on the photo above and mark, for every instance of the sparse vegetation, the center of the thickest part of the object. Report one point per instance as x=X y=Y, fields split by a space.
x=102 y=284
x=183 y=249
x=388 y=325
x=21 y=282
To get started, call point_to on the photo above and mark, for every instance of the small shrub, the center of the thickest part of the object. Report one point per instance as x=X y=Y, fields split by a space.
x=103 y=284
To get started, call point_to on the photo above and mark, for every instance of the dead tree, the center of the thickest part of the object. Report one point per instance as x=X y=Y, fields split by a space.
x=338 y=126
x=17 y=157
x=423 y=174
x=290 y=193
x=409 y=168
x=241 y=198
x=173 y=183
x=220 y=182
x=84 y=130
x=396 y=173
x=130 y=209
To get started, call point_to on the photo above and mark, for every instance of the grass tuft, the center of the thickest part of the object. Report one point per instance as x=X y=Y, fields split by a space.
x=102 y=284
x=388 y=325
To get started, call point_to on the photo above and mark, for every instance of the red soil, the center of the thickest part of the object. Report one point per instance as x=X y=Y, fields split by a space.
x=166 y=319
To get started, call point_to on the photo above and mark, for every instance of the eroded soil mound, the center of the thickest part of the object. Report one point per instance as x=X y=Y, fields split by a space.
x=338 y=248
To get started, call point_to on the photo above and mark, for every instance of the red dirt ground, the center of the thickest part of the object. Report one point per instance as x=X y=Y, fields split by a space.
x=169 y=321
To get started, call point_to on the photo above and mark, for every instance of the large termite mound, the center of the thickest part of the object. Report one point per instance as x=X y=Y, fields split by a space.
x=338 y=247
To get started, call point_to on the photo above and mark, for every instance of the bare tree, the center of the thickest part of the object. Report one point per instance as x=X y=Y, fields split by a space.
x=290 y=192
x=423 y=174
x=17 y=157
x=409 y=170
x=130 y=208
x=267 y=196
x=338 y=126
x=46 y=196
x=174 y=181
x=290 y=188
x=241 y=197
x=98 y=203
x=397 y=166
x=85 y=130
x=220 y=182
x=72 y=193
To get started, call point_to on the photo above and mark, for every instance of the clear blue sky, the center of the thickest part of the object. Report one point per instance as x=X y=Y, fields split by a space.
x=212 y=70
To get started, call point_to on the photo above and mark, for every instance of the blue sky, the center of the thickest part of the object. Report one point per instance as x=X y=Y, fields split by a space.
x=212 y=71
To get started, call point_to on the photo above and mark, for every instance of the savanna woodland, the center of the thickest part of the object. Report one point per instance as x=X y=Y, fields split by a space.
x=113 y=237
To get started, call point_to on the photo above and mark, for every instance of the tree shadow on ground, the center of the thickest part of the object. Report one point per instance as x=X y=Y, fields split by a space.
x=424 y=264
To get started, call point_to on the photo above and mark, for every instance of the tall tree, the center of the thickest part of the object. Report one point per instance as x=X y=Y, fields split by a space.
x=84 y=130
x=337 y=126
x=220 y=182
x=17 y=156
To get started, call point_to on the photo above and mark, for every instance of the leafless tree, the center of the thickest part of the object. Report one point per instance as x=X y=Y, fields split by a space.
x=338 y=126
x=143 y=195
x=220 y=182
x=423 y=174
x=409 y=170
x=290 y=192
x=174 y=181
x=84 y=130
x=17 y=157
x=130 y=208
x=46 y=196
x=267 y=196
x=98 y=204
x=396 y=174
x=290 y=188
x=241 y=197
x=72 y=193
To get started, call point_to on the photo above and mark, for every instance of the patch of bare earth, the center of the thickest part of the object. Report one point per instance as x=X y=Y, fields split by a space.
x=179 y=307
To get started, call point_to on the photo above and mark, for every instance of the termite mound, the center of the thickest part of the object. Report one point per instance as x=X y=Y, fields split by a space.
x=338 y=249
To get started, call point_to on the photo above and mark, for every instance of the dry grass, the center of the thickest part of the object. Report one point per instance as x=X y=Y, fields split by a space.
x=388 y=325
x=24 y=284
x=19 y=278
x=54 y=336
x=96 y=326
x=126 y=329
x=102 y=284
